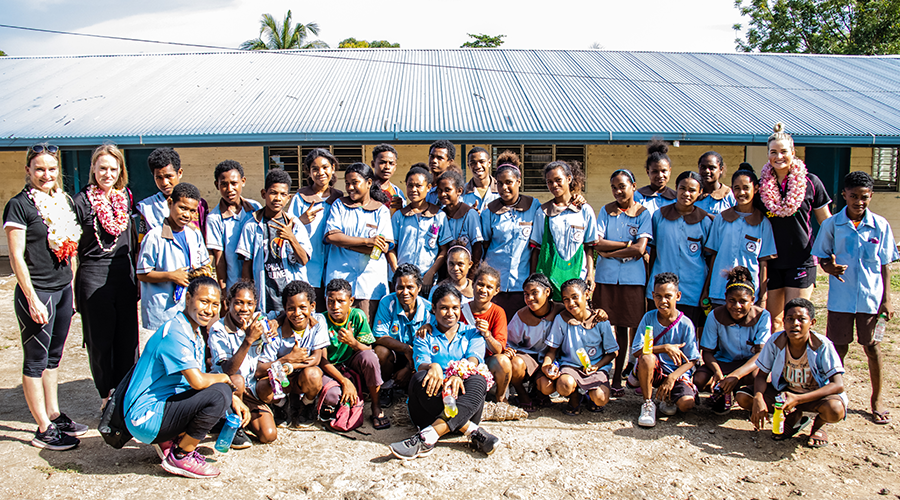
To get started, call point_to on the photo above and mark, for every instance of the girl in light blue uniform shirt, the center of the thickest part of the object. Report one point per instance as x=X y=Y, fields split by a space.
x=680 y=232
x=659 y=167
x=462 y=220
x=312 y=205
x=716 y=196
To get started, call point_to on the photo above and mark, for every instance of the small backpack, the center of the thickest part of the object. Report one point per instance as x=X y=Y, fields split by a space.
x=345 y=417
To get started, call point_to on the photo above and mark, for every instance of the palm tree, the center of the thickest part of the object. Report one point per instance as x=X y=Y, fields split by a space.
x=283 y=36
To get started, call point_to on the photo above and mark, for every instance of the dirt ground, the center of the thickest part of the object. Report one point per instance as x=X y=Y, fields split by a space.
x=549 y=455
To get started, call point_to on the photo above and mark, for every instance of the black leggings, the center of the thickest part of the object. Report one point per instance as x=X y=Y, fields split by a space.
x=42 y=345
x=424 y=410
x=194 y=412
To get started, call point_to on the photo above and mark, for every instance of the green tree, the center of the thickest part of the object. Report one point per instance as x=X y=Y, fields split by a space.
x=284 y=35
x=865 y=27
x=2 y=54
x=483 y=41
x=353 y=43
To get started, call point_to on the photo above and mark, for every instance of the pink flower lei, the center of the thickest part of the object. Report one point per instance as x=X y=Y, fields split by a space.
x=113 y=215
x=465 y=369
x=771 y=194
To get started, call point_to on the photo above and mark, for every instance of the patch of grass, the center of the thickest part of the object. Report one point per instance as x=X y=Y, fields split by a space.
x=895 y=282
x=822 y=278
x=68 y=468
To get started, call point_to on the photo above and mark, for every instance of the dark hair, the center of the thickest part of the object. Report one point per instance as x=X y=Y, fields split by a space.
x=485 y=269
x=739 y=278
x=339 y=285
x=745 y=166
x=383 y=148
x=477 y=149
x=575 y=283
x=200 y=281
x=508 y=167
x=715 y=155
x=442 y=144
x=858 y=179
x=444 y=290
x=571 y=169
x=320 y=153
x=750 y=174
x=277 y=176
x=538 y=279
x=185 y=190
x=298 y=287
x=408 y=270
x=424 y=172
x=802 y=303
x=455 y=247
x=664 y=279
x=453 y=176
x=162 y=157
x=509 y=157
x=227 y=166
x=689 y=174
x=656 y=152
x=367 y=173
x=628 y=173
x=242 y=284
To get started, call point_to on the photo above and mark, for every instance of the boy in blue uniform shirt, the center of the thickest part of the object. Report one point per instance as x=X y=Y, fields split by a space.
x=856 y=247
x=226 y=220
x=165 y=165
x=168 y=254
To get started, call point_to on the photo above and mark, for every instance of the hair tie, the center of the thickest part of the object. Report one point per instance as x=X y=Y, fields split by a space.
x=745 y=285
x=626 y=172
x=461 y=248
x=510 y=165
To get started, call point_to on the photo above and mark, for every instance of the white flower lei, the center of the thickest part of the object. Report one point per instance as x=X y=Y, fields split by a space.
x=63 y=230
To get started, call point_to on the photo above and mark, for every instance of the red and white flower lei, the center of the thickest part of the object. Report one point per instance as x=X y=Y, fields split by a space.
x=63 y=231
x=465 y=368
x=796 y=189
x=113 y=215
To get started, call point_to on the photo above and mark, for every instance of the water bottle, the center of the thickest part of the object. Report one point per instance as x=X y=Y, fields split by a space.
x=179 y=290
x=450 y=409
x=880 y=328
x=554 y=368
x=376 y=252
x=648 y=340
x=277 y=379
x=232 y=424
x=583 y=358
x=778 y=416
x=432 y=236
x=707 y=306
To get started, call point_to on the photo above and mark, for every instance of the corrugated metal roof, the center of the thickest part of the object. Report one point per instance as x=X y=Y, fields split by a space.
x=372 y=95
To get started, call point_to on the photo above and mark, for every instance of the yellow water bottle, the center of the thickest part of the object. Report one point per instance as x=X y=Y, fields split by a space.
x=376 y=252
x=583 y=357
x=648 y=340
x=778 y=416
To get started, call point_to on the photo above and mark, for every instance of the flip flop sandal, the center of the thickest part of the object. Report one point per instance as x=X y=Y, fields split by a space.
x=881 y=417
x=617 y=392
x=801 y=424
x=572 y=412
x=818 y=439
x=592 y=407
x=380 y=423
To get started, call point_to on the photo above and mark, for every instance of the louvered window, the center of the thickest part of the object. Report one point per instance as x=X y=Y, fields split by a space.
x=535 y=157
x=884 y=168
x=291 y=159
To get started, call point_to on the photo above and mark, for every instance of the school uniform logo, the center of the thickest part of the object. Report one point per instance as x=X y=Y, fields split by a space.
x=592 y=351
x=693 y=247
x=633 y=231
x=751 y=246
x=464 y=240
x=395 y=328
x=435 y=349
x=525 y=230
x=577 y=234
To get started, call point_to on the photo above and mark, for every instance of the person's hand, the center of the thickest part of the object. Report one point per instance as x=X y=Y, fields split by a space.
x=674 y=352
x=887 y=308
x=241 y=409
x=760 y=413
x=378 y=241
x=396 y=202
x=546 y=370
x=790 y=402
x=180 y=276
x=346 y=336
x=38 y=311
x=428 y=278
x=834 y=269
x=578 y=200
x=254 y=331
x=434 y=380
x=590 y=284
x=455 y=384
x=423 y=331
x=665 y=389
x=348 y=392
x=509 y=352
x=310 y=214
x=285 y=231
x=591 y=369
x=297 y=356
x=483 y=327
x=728 y=384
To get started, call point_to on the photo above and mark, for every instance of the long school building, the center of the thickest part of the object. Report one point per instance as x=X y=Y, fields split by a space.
x=266 y=110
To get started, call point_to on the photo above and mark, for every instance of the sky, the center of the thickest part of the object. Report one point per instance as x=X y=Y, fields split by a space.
x=636 y=25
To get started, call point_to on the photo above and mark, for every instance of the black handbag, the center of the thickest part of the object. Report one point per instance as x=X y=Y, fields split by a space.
x=112 y=423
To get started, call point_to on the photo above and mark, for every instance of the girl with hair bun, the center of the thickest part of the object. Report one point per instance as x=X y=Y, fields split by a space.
x=791 y=195
x=716 y=196
x=732 y=339
x=659 y=168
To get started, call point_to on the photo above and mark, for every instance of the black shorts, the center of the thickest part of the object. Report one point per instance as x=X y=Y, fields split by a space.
x=795 y=277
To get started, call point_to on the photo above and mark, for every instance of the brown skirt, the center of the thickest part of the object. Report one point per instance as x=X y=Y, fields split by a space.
x=586 y=382
x=531 y=363
x=623 y=303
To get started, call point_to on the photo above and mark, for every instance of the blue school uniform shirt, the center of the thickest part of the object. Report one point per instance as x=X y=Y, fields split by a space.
x=679 y=243
x=717 y=202
x=412 y=236
x=157 y=376
x=470 y=195
x=527 y=333
x=223 y=233
x=739 y=240
x=432 y=196
x=863 y=250
x=160 y=252
x=614 y=224
x=681 y=333
x=654 y=201
x=392 y=321
x=570 y=227
x=823 y=359
x=154 y=210
x=464 y=224
x=225 y=338
x=254 y=245
x=302 y=200
x=730 y=341
x=367 y=277
x=315 y=337
x=507 y=230
x=568 y=335
x=435 y=348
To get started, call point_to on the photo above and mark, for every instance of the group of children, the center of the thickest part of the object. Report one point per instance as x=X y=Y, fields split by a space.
x=660 y=289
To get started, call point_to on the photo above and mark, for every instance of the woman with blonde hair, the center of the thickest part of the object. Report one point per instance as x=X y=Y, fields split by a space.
x=105 y=286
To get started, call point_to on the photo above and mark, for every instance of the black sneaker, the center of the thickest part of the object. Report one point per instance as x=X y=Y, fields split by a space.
x=241 y=441
x=67 y=426
x=411 y=448
x=722 y=404
x=52 y=439
x=304 y=416
x=484 y=441
x=281 y=414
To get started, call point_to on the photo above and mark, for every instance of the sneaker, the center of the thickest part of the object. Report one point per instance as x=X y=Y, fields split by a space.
x=305 y=416
x=193 y=465
x=484 y=441
x=67 y=426
x=648 y=414
x=53 y=439
x=411 y=448
x=281 y=415
x=722 y=404
x=667 y=408
x=241 y=440
x=162 y=449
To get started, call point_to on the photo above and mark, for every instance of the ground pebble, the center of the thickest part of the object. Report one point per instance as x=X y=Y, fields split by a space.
x=884 y=491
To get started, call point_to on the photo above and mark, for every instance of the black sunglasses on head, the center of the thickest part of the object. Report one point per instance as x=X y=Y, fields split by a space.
x=40 y=148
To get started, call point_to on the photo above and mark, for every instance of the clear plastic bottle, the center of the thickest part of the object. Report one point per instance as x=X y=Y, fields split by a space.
x=648 y=340
x=554 y=368
x=376 y=252
x=880 y=328
x=277 y=379
x=450 y=409
x=433 y=236
x=778 y=416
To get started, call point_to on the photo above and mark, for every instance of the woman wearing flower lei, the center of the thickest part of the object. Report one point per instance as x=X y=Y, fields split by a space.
x=105 y=286
x=791 y=195
x=43 y=236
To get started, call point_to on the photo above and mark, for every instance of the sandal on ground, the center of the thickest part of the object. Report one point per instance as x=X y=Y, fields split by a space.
x=381 y=422
x=592 y=407
x=617 y=392
x=570 y=410
x=818 y=439
x=881 y=417
x=789 y=433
